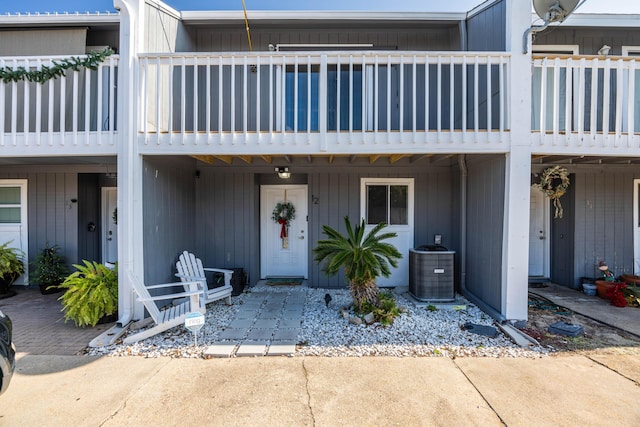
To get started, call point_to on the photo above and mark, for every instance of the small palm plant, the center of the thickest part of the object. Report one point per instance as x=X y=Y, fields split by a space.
x=363 y=257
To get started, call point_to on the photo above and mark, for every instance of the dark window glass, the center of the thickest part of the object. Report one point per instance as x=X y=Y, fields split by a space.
x=398 y=205
x=376 y=204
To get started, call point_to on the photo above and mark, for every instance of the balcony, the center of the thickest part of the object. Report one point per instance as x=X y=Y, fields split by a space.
x=324 y=102
x=71 y=115
x=586 y=105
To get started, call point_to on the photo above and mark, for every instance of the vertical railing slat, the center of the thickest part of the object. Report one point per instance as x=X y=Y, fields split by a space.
x=245 y=98
x=38 y=106
x=87 y=105
x=476 y=101
x=75 y=109
x=208 y=99
x=183 y=96
x=489 y=99
x=594 y=99
x=606 y=101
x=195 y=100
x=99 y=105
x=581 y=100
x=619 y=93
x=568 y=87
x=631 y=103
x=338 y=93
x=439 y=104
x=296 y=95
x=452 y=99
x=258 y=95
x=556 y=99
x=464 y=99
x=25 y=108
x=220 y=99
x=543 y=100
x=414 y=103
x=388 y=94
x=112 y=97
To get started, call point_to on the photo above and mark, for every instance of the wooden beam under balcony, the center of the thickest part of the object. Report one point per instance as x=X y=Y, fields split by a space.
x=205 y=159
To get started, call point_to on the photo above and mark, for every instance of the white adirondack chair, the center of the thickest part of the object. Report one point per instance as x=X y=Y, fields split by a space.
x=190 y=268
x=169 y=317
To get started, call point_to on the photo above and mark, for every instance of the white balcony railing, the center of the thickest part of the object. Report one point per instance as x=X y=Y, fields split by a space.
x=324 y=101
x=71 y=114
x=586 y=104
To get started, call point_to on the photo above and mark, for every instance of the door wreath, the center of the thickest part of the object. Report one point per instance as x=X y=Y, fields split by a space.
x=554 y=189
x=283 y=214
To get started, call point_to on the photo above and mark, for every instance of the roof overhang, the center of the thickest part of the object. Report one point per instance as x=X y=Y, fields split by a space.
x=289 y=16
x=59 y=19
x=603 y=20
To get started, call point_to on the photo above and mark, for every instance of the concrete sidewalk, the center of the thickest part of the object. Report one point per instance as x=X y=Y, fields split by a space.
x=294 y=391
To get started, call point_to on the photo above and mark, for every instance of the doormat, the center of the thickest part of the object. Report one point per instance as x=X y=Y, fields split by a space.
x=284 y=281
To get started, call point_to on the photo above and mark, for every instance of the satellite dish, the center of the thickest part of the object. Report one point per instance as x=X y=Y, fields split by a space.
x=550 y=11
x=554 y=10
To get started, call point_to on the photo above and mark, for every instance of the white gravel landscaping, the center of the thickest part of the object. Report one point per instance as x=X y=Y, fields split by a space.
x=418 y=332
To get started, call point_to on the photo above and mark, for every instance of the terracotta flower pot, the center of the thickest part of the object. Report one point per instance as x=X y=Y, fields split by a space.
x=630 y=279
x=603 y=287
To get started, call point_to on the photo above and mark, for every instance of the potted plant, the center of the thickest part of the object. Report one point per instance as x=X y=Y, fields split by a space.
x=607 y=281
x=11 y=266
x=49 y=270
x=363 y=257
x=91 y=294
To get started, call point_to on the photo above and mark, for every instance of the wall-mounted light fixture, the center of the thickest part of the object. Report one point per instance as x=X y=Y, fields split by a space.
x=283 y=172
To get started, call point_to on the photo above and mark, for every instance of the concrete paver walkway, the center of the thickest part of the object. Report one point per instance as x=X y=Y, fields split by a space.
x=267 y=323
x=39 y=326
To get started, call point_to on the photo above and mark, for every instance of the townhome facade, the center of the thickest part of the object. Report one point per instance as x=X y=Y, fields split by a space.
x=430 y=122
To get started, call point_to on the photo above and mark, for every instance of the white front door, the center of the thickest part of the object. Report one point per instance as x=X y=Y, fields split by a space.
x=390 y=200
x=636 y=226
x=538 y=235
x=283 y=255
x=109 y=225
x=13 y=219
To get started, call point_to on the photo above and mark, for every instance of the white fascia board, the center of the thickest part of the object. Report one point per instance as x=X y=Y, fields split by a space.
x=59 y=19
x=597 y=20
x=160 y=5
x=481 y=7
x=290 y=15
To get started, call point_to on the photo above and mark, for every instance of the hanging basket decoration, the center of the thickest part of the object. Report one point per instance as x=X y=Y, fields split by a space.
x=552 y=188
x=283 y=214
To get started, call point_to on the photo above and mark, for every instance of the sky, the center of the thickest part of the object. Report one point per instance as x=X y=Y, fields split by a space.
x=591 y=6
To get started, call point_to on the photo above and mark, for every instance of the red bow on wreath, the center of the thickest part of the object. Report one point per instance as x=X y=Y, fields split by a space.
x=283 y=231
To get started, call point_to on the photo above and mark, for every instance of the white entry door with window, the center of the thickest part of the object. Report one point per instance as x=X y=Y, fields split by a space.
x=538 y=234
x=109 y=225
x=13 y=219
x=283 y=256
x=390 y=200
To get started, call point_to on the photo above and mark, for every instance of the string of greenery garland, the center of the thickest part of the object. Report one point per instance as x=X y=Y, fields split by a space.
x=554 y=193
x=283 y=210
x=58 y=69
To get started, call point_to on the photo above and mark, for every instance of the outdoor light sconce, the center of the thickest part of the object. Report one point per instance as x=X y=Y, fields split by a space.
x=283 y=172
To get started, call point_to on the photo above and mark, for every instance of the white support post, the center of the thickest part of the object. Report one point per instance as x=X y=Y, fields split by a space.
x=130 y=249
x=515 y=245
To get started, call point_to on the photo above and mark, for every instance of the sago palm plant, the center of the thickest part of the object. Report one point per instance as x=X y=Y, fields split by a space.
x=364 y=257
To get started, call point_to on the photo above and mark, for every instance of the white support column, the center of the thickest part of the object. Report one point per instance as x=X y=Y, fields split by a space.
x=515 y=248
x=130 y=248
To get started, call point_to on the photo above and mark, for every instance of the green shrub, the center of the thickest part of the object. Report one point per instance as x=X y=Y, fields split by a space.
x=386 y=311
x=91 y=293
x=49 y=269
